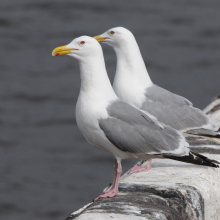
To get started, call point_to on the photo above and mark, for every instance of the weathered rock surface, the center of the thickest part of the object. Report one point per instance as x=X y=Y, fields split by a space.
x=171 y=190
x=150 y=202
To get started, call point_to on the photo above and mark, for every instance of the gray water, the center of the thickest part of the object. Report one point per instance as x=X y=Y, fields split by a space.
x=47 y=169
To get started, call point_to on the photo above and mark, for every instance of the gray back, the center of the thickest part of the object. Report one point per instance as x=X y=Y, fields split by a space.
x=173 y=110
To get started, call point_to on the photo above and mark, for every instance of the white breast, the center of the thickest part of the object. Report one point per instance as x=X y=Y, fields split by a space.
x=130 y=90
x=87 y=116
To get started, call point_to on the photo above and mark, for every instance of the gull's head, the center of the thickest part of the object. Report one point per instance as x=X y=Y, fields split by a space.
x=116 y=37
x=80 y=48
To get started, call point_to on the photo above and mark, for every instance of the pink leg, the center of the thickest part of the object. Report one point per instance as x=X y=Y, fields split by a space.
x=113 y=191
x=139 y=169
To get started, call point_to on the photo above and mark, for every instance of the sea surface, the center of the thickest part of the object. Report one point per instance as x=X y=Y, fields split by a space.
x=47 y=169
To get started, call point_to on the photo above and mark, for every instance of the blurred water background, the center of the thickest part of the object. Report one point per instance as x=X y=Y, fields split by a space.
x=47 y=169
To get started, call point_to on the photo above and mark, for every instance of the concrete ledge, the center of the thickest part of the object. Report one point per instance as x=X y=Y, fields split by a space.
x=149 y=202
x=171 y=190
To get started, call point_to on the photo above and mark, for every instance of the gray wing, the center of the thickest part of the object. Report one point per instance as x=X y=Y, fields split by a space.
x=174 y=110
x=133 y=131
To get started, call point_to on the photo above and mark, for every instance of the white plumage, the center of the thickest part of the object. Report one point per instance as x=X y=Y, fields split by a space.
x=114 y=126
x=133 y=85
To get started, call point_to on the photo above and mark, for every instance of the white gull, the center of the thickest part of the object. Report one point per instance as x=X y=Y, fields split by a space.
x=133 y=85
x=115 y=126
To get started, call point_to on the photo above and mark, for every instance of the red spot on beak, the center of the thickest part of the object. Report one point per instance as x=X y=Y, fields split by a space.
x=57 y=54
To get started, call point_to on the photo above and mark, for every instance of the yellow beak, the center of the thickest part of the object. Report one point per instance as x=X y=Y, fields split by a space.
x=62 y=50
x=100 y=39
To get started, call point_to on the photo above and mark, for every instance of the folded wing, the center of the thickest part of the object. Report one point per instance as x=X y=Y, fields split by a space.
x=134 y=131
x=177 y=112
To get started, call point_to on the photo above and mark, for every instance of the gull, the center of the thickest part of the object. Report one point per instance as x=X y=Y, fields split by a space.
x=133 y=85
x=114 y=126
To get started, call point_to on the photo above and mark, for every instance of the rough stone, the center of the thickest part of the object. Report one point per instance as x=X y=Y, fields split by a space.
x=171 y=190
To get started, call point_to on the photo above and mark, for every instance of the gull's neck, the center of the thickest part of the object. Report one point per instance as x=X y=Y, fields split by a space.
x=130 y=63
x=94 y=79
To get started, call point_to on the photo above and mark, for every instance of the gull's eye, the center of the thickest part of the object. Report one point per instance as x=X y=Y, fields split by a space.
x=82 y=42
x=112 y=32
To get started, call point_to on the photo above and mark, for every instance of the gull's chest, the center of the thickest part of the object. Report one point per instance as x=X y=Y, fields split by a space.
x=88 y=114
x=130 y=91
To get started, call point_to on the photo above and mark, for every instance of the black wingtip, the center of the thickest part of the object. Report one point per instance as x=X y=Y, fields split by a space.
x=204 y=132
x=194 y=158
